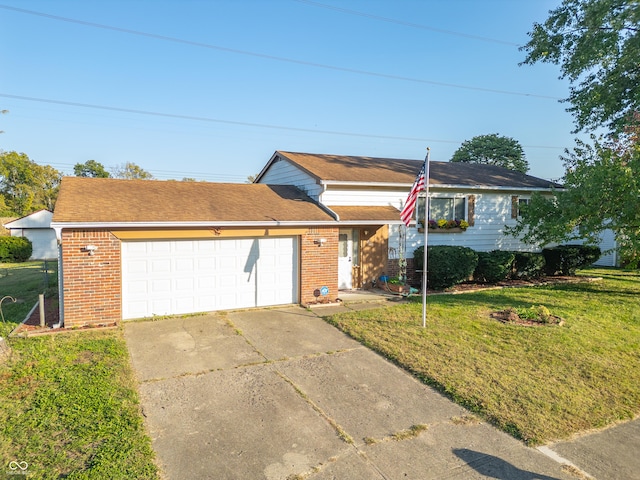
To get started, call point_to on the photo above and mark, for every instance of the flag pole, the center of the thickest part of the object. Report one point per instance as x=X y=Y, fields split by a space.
x=426 y=237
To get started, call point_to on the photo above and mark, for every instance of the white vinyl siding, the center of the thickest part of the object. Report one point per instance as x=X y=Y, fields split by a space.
x=282 y=172
x=43 y=241
x=188 y=276
x=364 y=197
x=492 y=212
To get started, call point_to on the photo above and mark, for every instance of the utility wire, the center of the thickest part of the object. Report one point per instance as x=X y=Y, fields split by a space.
x=233 y=122
x=276 y=58
x=168 y=174
x=407 y=24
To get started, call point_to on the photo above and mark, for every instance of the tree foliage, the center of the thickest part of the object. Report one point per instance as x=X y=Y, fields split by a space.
x=26 y=186
x=493 y=149
x=602 y=191
x=131 y=171
x=90 y=168
x=596 y=43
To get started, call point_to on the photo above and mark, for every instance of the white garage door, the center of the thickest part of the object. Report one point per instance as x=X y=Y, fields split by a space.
x=187 y=276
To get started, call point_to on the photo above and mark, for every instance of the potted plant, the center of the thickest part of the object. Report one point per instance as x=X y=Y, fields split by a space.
x=395 y=285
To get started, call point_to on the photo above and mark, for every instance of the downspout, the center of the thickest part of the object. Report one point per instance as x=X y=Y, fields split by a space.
x=58 y=231
x=324 y=207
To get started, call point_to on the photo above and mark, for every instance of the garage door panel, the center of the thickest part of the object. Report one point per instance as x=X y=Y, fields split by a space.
x=184 y=276
x=159 y=266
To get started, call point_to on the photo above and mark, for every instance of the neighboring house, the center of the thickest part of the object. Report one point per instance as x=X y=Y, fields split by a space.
x=309 y=226
x=37 y=228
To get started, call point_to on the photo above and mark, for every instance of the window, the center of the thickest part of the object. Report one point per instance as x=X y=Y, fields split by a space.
x=443 y=208
x=516 y=205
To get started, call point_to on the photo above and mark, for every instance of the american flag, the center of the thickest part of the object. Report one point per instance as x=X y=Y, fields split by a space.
x=410 y=205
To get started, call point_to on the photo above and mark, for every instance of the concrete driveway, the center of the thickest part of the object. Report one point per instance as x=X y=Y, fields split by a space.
x=280 y=394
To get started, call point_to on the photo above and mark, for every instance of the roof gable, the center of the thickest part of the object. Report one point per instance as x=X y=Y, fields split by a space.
x=39 y=219
x=355 y=169
x=107 y=200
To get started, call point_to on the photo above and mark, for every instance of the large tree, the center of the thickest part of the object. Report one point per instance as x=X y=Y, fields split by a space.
x=493 y=149
x=90 y=168
x=596 y=43
x=131 y=171
x=26 y=186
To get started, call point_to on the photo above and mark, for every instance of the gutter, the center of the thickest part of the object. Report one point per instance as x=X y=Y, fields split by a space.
x=58 y=226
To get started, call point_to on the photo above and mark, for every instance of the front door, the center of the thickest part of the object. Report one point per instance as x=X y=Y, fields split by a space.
x=347 y=257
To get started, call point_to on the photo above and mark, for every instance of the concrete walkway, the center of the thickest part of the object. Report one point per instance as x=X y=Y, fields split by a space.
x=280 y=394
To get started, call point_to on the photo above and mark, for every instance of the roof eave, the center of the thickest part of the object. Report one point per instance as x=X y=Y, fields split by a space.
x=407 y=186
x=243 y=223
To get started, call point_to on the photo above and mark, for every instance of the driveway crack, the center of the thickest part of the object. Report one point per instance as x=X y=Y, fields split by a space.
x=340 y=431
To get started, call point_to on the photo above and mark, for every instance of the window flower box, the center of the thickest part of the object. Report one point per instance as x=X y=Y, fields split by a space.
x=445 y=226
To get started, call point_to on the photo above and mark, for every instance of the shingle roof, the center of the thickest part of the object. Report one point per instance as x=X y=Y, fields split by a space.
x=112 y=200
x=397 y=171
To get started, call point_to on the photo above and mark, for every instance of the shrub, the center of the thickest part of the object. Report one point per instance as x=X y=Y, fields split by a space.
x=15 y=249
x=528 y=265
x=494 y=266
x=418 y=259
x=566 y=259
x=447 y=265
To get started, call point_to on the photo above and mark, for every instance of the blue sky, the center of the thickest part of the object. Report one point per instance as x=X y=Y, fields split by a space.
x=226 y=83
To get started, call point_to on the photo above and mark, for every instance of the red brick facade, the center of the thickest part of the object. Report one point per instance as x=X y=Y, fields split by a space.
x=91 y=283
x=318 y=264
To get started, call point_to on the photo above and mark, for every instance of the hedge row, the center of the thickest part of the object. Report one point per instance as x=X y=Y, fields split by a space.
x=450 y=265
x=15 y=249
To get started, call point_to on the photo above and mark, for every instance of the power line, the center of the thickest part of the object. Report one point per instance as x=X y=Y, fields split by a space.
x=407 y=24
x=168 y=174
x=274 y=57
x=233 y=122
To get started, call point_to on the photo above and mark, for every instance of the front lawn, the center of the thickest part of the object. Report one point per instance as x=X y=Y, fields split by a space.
x=538 y=383
x=70 y=409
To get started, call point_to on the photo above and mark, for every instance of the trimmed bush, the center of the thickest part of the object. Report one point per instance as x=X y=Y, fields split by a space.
x=494 y=266
x=528 y=265
x=566 y=259
x=447 y=265
x=15 y=249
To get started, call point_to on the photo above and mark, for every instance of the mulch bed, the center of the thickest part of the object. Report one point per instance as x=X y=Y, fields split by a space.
x=506 y=316
x=32 y=327
x=546 y=280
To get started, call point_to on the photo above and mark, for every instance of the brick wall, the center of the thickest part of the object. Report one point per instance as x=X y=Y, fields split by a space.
x=92 y=288
x=92 y=283
x=413 y=278
x=318 y=264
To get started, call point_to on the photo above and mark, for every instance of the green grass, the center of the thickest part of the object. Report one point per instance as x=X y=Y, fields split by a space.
x=537 y=383
x=24 y=282
x=70 y=409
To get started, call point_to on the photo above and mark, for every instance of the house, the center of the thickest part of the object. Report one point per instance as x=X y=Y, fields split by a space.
x=37 y=228
x=309 y=226
x=365 y=192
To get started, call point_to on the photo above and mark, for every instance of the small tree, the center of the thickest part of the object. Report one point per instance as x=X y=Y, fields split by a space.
x=90 y=168
x=131 y=171
x=602 y=184
x=493 y=149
